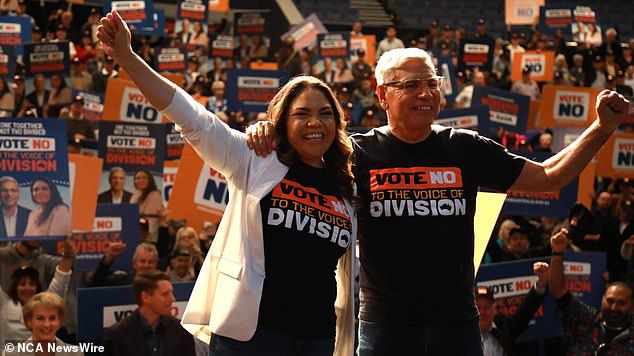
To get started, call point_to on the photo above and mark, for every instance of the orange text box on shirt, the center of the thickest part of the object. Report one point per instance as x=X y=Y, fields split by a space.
x=541 y=65
x=125 y=102
x=368 y=43
x=616 y=158
x=85 y=172
x=205 y=200
x=567 y=106
x=522 y=12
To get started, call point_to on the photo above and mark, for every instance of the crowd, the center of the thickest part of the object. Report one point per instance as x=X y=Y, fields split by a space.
x=32 y=280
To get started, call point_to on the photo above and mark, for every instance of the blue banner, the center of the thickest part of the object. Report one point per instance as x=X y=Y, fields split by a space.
x=195 y=10
x=553 y=18
x=93 y=104
x=170 y=59
x=175 y=143
x=134 y=12
x=46 y=58
x=252 y=90
x=510 y=281
x=474 y=52
x=506 y=110
x=34 y=165
x=7 y=62
x=468 y=118
x=100 y=308
x=157 y=26
x=334 y=45
x=447 y=70
x=15 y=31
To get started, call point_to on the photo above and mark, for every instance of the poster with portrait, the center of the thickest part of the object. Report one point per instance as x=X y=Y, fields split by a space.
x=305 y=33
x=35 y=184
x=507 y=110
x=46 y=58
x=170 y=59
x=585 y=26
x=334 y=45
x=15 y=31
x=252 y=90
x=195 y=10
x=474 y=52
x=7 y=61
x=222 y=46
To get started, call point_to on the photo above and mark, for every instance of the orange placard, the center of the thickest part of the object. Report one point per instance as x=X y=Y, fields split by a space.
x=219 y=5
x=533 y=110
x=522 y=12
x=541 y=65
x=586 y=184
x=199 y=192
x=368 y=43
x=567 y=106
x=84 y=174
x=125 y=102
x=616 y=158
x=176 y=78
x=170 y=170
x=263 y=65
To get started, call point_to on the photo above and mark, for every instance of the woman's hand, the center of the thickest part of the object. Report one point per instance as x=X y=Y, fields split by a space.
x=115 y=36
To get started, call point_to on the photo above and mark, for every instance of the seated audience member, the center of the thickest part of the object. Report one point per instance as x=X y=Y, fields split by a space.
x=517 y=248
x=500 y=331
x=150 y=330
x=78 y=127
x=187 y=238
x=180 y=267
x=145 y=258
x=167 y=235
x=526 y=85
x=607 y=331
x=116 y=194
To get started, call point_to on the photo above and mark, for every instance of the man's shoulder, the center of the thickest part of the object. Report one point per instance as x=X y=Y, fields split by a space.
x=23 y=210
x=124 y=325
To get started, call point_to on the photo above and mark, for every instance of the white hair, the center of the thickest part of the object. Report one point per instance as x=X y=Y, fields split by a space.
x=392 y=59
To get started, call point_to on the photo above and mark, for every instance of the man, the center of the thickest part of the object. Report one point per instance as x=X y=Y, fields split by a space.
x=78 y=128
x=361 y=69
x=463 y=99
x=100 y=79
x=526 y=85
x=14 y=217
x=516 y=248
x=500 y=331
x=180 y=266
x=38 y=98
x=116 y=194
x=389 y=42
x=145 y=258
x=607 y=331
x=424 y=179
x=150 y=330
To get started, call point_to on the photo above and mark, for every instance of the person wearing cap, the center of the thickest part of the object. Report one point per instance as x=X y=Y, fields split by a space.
x=516 y=248
x=61 y=35
x=463 y=99
x=526 y=86
x=390 y=41
x=361 y=69
x=100 y=78
x=85 y=49
x=515 y=46
x=481 y=30
x=433 y=35
x=597 y=76
x=21 y=12
x=607 y=331
x=79 y=78
x=180 y=266
x=78 y=127
x=14 y=217
x=500 y=331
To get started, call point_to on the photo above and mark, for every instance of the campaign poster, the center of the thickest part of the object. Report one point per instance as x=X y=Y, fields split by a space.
x=553 y=18
x=567 y=106
x=616 y=157
x=7 y=61
x=334 y=45
x=93 y=104
x=446 y=69
x=506 y=110
x=564 y=135
x=170 y=170
x=46 y=58
x=474 y=52
x=101 y=307
x=86 y=2
x=175 y=143
x=468 y=118
x=195 y=10
x=135 y=148
x=250 y=22
x=219 y=5
x=541 y=65
x=305 y=33
x=154 y=27
x=368 y=43
x=554 y=204
x=581 y=17
x=522 y=12
x=252 y=90
x=34 y=168
x=125 y=102
x=511 y=281
x=170 y=59
x=134 y=12
x=204 y=200
x=15 y=31
x=84 y=191
x=222 y=46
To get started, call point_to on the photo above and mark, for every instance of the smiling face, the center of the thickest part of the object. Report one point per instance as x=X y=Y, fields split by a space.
x=44 y=323
x=141 y=180
x=26 y=289
x=117 y=181
x=9 y=194
x=41 y=192
x=311 y=126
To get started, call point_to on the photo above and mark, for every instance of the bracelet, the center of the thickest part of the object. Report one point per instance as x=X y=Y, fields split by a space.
x=557 y=253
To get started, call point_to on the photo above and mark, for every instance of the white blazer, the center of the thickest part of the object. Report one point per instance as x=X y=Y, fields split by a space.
x=226 y=297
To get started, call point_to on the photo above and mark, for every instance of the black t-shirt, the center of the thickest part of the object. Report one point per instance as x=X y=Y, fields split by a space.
x=306 y=228
x=416 y=222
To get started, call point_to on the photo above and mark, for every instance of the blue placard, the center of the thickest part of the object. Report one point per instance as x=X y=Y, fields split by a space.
x=34 y=153
x=221 y=45
x=15 y=31
x=93 y=103
x=46 y=58
x=506 y=110
x=157 y=27
x=510 y=281
x=447 y=70
x=170 y=59
x=252 y=90
x=195 y=10
x=476 y=52
x=7 y=61
x=99 y=308
x=553 y=204
x=134 y=12
x=553 y=18
x=252 y=22
x=175 y=143
x=113 y=222
x=468 y=118
x=334 y=45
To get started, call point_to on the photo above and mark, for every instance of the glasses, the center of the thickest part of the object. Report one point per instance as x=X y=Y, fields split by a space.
x=415 y=84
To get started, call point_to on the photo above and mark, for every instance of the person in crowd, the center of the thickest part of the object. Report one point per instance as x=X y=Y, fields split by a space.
x=589 y=331
x=526 y=85
x=357 y=29
x=14 y=217
x=517 y=248
x=151 y=329
x=7 y=100
x=185 y=33
x=43 y=315
x=463 y=99
x=78 y=127
x=61 y=35
x=390 y=41
x=259 y=49
x=187 y=238
x=199 y=37
x=51 y=217
x=61 y=96
x=21 y=12
x=38 y=98
x=615 y=235
x=392 y=308
x=117 y=193
x=19 y=94
x=363 y=95
x=86 y=49
x=149 y=199
x=288 y=57
x=343 y=74
x=218 y=102
x=314 y=157
x=596 y=77
x=501 y=70
x=242 y=50
x=361 y=69
x=500 y=331
x=207 y=235
x=79 y=78
x=167 y=234
x=145 y=258
x=577 y=72
x=107 y=71
x=515 y=46
x=328 y=74
x=180 y=266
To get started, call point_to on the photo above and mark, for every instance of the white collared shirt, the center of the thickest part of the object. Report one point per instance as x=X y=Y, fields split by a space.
x=10 y=222
x=492 y=347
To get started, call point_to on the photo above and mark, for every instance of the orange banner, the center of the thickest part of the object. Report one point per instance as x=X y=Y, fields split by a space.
x=263 y=65
x=368 y=43
x=219 y=5
x=585 y=191
x=541 y=65
x=567 y=106
x=84 y=191
x=125 y=102
x=616 y=158
x=533 y=110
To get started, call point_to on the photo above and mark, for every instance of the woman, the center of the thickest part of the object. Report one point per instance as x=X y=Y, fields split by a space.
x=186 y=239
x=199 y=37
x=61 y=96
x=259 y=49
x=343 y=75
x=43 y=315
x=311 y=172
x=593 y=38
x=217 y=103
x=52 y=215
x=7 y=101
x=149 y=199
